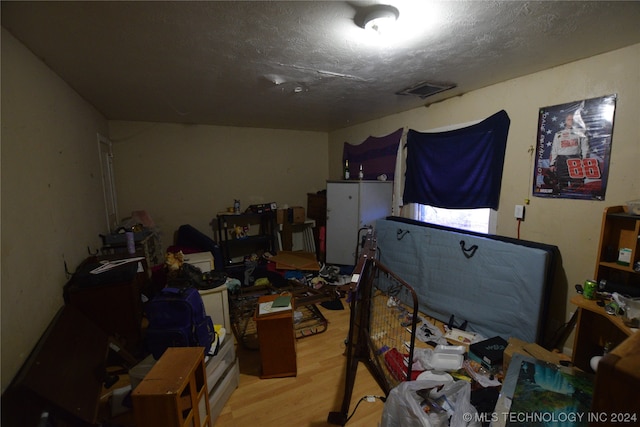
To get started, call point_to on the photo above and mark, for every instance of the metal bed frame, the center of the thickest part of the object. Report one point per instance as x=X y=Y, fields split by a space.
x=382 y=329
x=243 y=305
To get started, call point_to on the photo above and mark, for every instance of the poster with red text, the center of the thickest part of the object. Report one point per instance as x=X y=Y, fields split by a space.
x=573 y=149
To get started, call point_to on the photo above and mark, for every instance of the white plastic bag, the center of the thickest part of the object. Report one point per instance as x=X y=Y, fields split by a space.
x=403 y=406
x=631 y=307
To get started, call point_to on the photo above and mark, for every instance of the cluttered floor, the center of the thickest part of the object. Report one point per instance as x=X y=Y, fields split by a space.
x=318 y=387
x=304 y=400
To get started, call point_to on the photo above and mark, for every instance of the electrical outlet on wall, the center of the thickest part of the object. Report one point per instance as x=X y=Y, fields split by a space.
x=519 y=212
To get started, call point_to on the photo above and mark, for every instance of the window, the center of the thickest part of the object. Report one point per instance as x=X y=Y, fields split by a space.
x=480 y=220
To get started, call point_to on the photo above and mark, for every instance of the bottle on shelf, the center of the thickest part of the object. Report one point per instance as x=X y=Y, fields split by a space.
x=346 y=170
x=360 y=172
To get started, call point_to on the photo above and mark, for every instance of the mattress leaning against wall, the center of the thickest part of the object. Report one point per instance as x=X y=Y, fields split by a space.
x=499 y=285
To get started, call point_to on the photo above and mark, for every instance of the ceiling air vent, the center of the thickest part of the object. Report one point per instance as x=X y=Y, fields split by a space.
x=426 y=89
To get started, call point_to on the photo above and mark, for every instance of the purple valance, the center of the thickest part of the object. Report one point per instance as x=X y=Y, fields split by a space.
x=377 y=155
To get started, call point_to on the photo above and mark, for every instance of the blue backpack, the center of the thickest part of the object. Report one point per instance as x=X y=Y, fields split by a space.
x=177 y=318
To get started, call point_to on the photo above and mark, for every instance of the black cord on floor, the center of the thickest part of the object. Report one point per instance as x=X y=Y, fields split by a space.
x=368 y=398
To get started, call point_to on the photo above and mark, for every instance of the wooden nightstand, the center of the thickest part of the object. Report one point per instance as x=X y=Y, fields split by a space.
x=277 y=342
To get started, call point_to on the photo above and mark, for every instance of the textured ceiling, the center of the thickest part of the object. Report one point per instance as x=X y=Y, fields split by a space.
x=301 y=64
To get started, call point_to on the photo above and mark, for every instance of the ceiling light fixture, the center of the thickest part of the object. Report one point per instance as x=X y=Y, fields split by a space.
x=380 y=17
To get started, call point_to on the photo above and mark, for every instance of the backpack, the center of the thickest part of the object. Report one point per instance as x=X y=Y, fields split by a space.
x=177 y=318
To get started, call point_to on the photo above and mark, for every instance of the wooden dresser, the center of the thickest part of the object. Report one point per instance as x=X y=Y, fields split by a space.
x=174 y=392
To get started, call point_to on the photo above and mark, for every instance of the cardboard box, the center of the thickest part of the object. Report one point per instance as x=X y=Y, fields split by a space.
x=532 y=350
x=293 y=215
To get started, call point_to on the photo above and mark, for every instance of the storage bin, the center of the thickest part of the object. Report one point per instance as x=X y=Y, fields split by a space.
x=202 y=260
x=220 y=395
x=138 y=372
x=217 y=365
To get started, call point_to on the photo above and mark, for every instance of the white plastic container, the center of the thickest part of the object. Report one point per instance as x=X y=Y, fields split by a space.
x=202 y=260
x=446 y=361
x=450 y=349
x=633 y=207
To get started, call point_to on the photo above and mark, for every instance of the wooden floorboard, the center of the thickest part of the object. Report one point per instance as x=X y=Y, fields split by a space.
x=301 y=401
x=307 y=399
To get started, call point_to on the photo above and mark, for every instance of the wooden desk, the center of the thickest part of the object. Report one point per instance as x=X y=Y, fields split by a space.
x=595 y=328
x=617 y=388
x=276 y=338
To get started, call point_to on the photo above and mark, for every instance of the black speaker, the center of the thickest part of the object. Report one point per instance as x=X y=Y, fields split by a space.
x=626 y=290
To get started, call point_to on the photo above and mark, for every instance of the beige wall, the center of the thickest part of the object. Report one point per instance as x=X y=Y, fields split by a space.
x=53 y=210
x=572 y=225
x=185 y=174
x=52 y=202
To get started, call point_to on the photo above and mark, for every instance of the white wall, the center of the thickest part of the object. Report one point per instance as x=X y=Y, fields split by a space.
x=52 y=202
x=572 y=225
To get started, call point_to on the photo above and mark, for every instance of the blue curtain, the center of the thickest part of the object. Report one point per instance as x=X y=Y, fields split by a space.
x=458 y=169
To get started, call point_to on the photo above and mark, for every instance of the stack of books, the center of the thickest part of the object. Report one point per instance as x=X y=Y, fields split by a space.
x=278 y=305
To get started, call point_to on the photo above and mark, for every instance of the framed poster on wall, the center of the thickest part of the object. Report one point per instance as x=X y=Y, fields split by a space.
x=573 y=149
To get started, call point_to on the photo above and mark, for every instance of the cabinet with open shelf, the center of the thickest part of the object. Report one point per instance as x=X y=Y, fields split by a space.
x=244 y=234
x=620 y=230
x=596 y=330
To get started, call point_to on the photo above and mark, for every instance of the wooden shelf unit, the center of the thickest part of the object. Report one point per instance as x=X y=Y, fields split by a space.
x=619 y=230
x=596 y=329
x=174 y=392
x=260 y=237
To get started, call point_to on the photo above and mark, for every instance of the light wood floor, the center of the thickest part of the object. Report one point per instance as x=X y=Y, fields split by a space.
x=301 y=401
x=307 y=399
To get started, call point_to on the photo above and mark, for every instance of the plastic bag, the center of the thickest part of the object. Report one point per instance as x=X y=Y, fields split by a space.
x=631 y=309
x=427 y=331
x=404 y=408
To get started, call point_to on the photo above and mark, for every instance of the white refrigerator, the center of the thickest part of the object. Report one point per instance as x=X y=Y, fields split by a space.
x=351 y=206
